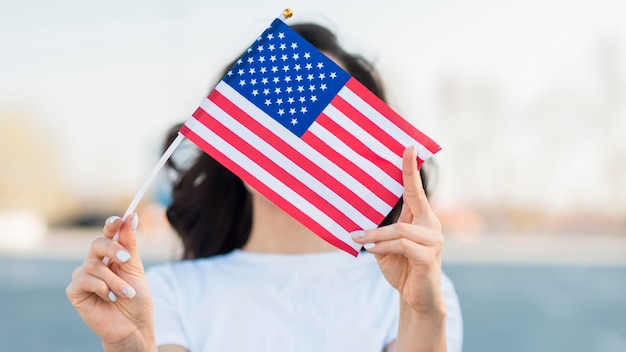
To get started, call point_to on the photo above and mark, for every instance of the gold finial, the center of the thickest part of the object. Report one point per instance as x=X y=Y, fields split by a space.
x=287 y=13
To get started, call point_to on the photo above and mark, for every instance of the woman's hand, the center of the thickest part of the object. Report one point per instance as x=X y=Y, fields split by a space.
x=114 y=300
x=409 y=255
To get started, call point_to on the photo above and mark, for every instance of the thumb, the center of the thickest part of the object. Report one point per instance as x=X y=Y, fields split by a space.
x=127 y=235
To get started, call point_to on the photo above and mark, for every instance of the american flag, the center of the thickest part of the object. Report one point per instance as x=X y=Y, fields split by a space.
x=299 y=129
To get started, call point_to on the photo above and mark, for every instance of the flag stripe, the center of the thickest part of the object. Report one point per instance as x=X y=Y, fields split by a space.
x=242 y=166
x=366 y=166
x=365 y=190
x=232 y=124
x=355 y=93
x=361 y=142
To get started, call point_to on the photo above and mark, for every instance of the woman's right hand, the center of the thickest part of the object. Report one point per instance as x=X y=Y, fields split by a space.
x=114 y=300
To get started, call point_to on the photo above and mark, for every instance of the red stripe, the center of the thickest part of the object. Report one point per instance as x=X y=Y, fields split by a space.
x=359 y=147
x=270 y=166
x=363 y=177
x=268 y=192
x=294 y=155
x=385 y=110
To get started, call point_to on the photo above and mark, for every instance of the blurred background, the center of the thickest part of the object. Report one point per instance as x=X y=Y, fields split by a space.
x=527 y=99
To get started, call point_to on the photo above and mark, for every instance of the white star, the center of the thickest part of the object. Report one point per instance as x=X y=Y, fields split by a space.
x=307 y=55
x=322 y=86
x=290 y=100
x=320 y=65
x=239 y=62
x=263 y=69
x=295 y=56
x=253 y=81
x=259 y=48
x=251 y=70
x=266 y=91
x=261 y=58
x=322 y=76
x=284 y=57
x=294 y=45
x=259 y=39
x=268 y=102
x=279 y=100
x=255 y=92
x=298 y=78
x=309 y=66
x=273 y=58
x=303 y=110
x=292 y=111
x=274 y=69
x=277 y=90
x=333 y=75
x=313 y=98
x=300 y=89
x=281 y=112
x=281 y=35
x=230 y=73
x=283 y=46
x=289 y=89
x=271 y=47
x=264 y=80
x=270 y=36
x=240 y=72
x=302 y=99
x=286 y=68
x=276 y=80
x=310 y=77
x=249 y=50
x=311 y=87
x=287 y=78
x=294 y=121
x=296 y=67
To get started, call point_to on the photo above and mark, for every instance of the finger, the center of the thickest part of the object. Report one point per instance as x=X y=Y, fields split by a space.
x=105 y=247
x=408 y=249
x=128 y=237
x=98 y=269
x=418 y=234
x=111 y=226
x=405 y=214
x=414 y=194
x=86 y=284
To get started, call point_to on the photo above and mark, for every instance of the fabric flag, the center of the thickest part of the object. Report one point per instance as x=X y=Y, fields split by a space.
x=299 y=129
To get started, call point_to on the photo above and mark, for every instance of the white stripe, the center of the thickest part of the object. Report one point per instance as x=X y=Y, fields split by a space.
x=366 y=138
x=268 y=179
x=288 y=165
x=315 y=156
x=369 y=167
x=383 y=122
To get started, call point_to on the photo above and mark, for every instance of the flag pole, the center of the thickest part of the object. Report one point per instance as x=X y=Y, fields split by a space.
x=142 y=190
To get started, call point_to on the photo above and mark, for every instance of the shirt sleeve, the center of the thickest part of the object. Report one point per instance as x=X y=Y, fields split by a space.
x=454 y=318
x=168 y=326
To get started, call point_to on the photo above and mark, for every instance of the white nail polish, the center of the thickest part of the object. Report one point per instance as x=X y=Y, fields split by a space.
x=369 y=245
x=122 y=256
x=128 y=291
x=357 y=234
x=112 y=296
x=112 y=219
x=134 y=222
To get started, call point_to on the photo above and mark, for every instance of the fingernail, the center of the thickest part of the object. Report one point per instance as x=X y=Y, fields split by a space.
x=369 y=245
x=357 y=234
x=134 y=223
x=128 y=291
x=112 y=219
x=122 y=256
x=112 y=296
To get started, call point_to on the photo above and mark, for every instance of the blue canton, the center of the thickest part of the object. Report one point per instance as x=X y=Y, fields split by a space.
x=287 y=77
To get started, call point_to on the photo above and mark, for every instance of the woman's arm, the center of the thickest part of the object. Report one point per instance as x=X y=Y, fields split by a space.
x=409 y=255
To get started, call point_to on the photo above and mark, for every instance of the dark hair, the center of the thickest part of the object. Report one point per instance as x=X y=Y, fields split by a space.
x=211 y=209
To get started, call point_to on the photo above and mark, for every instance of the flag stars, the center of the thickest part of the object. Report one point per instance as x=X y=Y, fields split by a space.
x=299 y=78
x=276 y=79
x=274 y=69
x=294 y=121
x=268 y=102
x=273 y=58
x=295 y=56
x=303 y=110
x=266 y=91
x=310 y=77
x=259 y=48
x=271 y=47
x=279 y=101
x=312 y=87
x=252 y=70
x=249 y=50
x=281 y=112
x=253 y=81
x=263 y=69
x=308 y=66
x=242 y=82
x=277 y=90
x=287 y=79
x=270 y=36
x=296 y=67
x=286 y=68
x=302 y=99
x=333 y=75
x=289 y=90
x=284 y=57
x=250 y=60
x=239 y=62
x=281 y=35
x=282 y=46
x=313 y=98
x=320 y=65
x=229 y=73
x=294 y=45
x=307 y=55
x=240 y=72
x=292 y=111
x=322 y=76
x=264 y=80
x=300 y=89
x=323 y=87
x=261 y=58
x=291 y=100
x=255 y=92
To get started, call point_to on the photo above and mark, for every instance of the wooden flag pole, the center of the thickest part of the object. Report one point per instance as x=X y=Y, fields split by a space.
x=142 y=190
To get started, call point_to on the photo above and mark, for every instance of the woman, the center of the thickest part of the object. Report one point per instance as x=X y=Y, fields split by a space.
x=255 y=279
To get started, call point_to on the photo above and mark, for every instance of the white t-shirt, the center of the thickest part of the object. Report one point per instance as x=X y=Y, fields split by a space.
x=244 y=301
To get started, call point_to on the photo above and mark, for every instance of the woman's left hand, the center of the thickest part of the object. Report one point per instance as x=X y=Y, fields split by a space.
x=409 y=251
